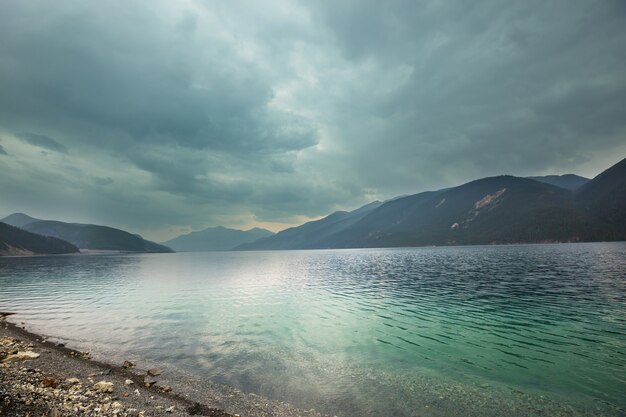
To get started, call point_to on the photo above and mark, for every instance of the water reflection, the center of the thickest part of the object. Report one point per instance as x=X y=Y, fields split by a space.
x=356 y=332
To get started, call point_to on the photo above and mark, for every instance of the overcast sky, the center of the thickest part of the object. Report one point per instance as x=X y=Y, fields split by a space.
x=161 y=117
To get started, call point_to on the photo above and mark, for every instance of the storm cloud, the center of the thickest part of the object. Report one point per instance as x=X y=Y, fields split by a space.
x=161 y=117
x=42 y=141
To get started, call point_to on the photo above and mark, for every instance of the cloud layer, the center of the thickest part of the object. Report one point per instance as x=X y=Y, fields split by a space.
x=161 y=117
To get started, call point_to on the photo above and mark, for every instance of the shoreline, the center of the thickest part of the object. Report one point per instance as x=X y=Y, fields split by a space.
x=23 y=391
x=59 y=381
x=97 y=252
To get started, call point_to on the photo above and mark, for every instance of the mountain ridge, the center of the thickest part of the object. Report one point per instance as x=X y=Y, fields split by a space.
x=494 y=210
x=19 y=219
x=568 y=181
x=478 y=212
x=86 y=236
x=217 y=238
x=18 y=242
x=300 y=237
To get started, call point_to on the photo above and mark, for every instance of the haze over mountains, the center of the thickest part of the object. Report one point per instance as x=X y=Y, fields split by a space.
x=495 y=210
x=85 y=236
x=17 y=242
x=215 y=239
x=312 y=234
x=503 y=209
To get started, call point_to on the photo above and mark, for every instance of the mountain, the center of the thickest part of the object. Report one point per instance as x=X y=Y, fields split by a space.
x=494 y=210
x=89 y=236
x=216 y=239
x=567 y=181
x=312 y=234
x=605 y=198
x=15 y=241
x=19 y=219
x=503 y=209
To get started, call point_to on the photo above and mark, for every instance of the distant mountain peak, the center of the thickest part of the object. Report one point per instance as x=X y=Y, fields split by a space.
x=218 y=238
x=259 y=229
x=19 y=219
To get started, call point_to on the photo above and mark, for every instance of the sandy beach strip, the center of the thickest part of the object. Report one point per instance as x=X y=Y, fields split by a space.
x=39 y=378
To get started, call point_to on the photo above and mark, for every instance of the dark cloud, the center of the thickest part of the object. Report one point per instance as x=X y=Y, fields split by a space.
x=102 y=180
x=42 y=141
x=2 y=151
x=522 y=87
x=196 y=113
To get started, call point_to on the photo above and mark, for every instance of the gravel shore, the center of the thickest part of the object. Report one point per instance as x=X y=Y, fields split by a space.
x=41 y=379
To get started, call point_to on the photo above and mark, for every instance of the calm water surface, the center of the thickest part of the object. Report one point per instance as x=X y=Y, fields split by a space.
x=509 y=330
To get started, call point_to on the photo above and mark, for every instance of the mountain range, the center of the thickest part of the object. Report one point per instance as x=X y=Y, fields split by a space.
x=494 y=210
x=15 y=241
x=216 y=239
x=312 y=234
x=85 y=236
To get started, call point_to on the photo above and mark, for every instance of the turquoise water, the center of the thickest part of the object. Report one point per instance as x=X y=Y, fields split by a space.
x=459 y=331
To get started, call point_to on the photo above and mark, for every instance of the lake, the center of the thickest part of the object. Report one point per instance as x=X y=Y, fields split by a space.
x=456 y=331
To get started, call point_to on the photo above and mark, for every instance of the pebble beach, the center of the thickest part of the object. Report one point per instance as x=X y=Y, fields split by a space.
x=39 y=378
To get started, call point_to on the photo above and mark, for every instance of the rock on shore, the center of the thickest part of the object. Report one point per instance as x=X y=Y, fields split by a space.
x=45 y=379
x=41 y=384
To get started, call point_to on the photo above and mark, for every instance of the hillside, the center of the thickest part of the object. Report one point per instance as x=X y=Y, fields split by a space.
x=216 y=239
x=604 y=197
x=568 y=181
x=89 y=236
x=15 y=241
x=503 y=209
x=312 y=234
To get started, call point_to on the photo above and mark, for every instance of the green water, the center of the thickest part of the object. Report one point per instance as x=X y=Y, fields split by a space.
x=465 y=331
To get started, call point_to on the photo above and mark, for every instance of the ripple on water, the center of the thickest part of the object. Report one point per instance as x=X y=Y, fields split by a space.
x=537 y=329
